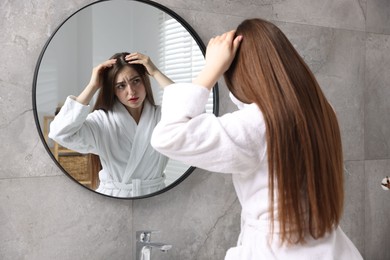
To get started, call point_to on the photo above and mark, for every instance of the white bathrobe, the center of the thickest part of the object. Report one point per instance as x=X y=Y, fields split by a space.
x=130 y=166
x=235 y=143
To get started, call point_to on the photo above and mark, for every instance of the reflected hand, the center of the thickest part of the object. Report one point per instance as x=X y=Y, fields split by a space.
x=96 y=80
x=139 y=58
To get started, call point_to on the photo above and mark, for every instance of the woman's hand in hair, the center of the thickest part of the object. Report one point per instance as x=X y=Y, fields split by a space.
x=95 y=83
x=96 y=80
x=139 y=58
x=219 y=55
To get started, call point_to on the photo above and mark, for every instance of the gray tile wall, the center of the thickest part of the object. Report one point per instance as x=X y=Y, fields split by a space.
x=45 y=215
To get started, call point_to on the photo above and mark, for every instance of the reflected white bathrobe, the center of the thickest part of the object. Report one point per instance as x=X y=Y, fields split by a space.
x=235 y=143
x=130 y=166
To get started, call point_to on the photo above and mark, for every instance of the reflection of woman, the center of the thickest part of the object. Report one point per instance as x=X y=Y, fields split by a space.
x=283 y=146
x=120 y=127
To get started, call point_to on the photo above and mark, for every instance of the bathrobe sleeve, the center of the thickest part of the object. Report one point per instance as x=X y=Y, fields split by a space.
x=233 y=143
x=75 y=128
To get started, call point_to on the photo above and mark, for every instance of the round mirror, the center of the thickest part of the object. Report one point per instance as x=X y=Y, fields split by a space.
x=89 y=37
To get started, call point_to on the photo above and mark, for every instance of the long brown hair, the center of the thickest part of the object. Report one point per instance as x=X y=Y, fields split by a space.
x=304 y=147
x=106 y=100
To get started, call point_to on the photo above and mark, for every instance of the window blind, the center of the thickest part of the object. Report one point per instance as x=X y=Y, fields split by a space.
x=181 y=60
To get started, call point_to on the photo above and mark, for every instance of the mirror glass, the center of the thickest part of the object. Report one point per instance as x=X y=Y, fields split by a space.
x=91 y=36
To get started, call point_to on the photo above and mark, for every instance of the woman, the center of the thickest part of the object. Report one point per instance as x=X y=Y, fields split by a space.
x=119 y=128
x=282 y=147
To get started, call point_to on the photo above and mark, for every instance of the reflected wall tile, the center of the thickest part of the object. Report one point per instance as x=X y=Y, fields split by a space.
x=53 y=218
x=378 y=16
x=377 y=211
x=346 y=14
x=200 y=216
x=377 y=106
x=354 y=207
x=336 y=57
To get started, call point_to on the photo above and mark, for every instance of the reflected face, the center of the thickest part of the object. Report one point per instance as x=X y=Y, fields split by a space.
x=130 y=90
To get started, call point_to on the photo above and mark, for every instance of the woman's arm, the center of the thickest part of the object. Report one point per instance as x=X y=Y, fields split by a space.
x=75 y=128
x=219 y=55
x=233 y=143
x=72 y=128
x=139 y=58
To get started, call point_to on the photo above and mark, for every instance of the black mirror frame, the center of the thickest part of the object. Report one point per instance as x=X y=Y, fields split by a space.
x=34 y=86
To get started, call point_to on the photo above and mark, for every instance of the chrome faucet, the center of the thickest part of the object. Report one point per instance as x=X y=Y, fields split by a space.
x=143 y=242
